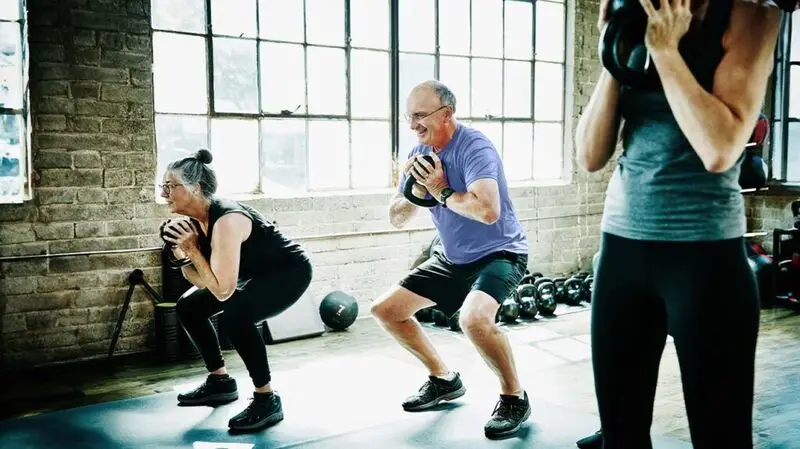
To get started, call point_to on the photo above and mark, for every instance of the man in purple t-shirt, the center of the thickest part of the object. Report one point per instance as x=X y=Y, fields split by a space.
x=483 y=259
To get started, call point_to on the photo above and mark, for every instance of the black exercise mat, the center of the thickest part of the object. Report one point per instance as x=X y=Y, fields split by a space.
x=348 y=403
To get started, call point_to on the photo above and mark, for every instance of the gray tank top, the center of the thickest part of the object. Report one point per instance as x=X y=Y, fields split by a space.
x=660 y=189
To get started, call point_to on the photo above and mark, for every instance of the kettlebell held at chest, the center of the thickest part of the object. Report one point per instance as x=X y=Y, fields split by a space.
x=622 y=48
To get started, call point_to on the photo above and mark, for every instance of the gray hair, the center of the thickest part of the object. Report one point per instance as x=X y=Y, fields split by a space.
x=194 y=170
x=446 y=96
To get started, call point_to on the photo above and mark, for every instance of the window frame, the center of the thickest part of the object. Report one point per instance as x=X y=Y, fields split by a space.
x=395 y=118
x=23 y=112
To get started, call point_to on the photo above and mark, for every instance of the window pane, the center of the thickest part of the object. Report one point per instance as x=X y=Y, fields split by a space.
x=793 y=156
x=794 y=44
x=454 y=72
x=327 y=82
x=281 y=20
x=487 y=28
x=283 y=79
x=518 y=150
x=417 y=26
x=518 y=30
x=283 y=156
x=179 y=73
x=414 y=69
x=9 y=10
x=776 y=141
x=517 y=89
x=328 y=155
x=179 y=15
x=454 y=27
x=794 y=91
x=235 y=75
x=369 y=84
x=550 y=37
x=493 y=131
x=177 y=137
x=325 y=22
x=234 y=144
x=548 y=91
x=487 y=87
x=233 y=17
x=369 y=24
x=407 y=140
x=371 y=154
x=548 y=151
x=11 y=89
x=12 y=159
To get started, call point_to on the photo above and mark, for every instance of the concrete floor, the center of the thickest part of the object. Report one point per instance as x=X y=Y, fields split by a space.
x=553 y=354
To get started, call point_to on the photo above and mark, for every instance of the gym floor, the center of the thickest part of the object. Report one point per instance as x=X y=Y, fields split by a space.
x=558 y=347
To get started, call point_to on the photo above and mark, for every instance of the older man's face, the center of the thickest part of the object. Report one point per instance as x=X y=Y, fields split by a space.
x=426 y=115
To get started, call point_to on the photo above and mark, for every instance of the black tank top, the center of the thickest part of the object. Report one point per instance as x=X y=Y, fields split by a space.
x=265 y=249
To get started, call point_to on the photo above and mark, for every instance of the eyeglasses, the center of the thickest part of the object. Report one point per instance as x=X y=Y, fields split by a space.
x=421 y=115
x=167 y=188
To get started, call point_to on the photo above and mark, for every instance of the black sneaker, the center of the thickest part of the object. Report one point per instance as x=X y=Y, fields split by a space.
x=215 y=390
x=434 y=391
x=592 y=441
x=508 y=416
x=264 y=409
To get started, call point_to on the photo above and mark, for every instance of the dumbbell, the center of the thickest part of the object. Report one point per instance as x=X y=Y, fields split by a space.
x=572 y=291
x=561 y=294
x=545 y=296
x=527 y=301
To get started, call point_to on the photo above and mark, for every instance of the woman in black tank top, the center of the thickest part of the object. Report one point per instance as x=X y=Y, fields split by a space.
x=241 y=267
x=699 y=290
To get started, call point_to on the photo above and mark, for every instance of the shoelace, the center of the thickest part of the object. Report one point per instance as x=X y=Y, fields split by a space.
x=505 y=409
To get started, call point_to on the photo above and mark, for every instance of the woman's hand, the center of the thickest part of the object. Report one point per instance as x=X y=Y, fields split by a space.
x=667 y=25
x=182 y=234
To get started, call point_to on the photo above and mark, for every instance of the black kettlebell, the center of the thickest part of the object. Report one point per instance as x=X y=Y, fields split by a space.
x=423 y=202
x=622 y=49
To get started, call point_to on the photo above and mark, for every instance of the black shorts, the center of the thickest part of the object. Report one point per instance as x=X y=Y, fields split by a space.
x=447 y=284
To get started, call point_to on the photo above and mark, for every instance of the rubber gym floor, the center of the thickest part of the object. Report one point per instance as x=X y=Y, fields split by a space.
x=344 y=390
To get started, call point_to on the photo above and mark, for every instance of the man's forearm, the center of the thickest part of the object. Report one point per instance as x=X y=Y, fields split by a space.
x=468 y=205
x=708 y=124
x=401 y=211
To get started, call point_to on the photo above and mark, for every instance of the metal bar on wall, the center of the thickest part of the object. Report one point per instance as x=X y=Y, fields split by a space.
x=394 y=46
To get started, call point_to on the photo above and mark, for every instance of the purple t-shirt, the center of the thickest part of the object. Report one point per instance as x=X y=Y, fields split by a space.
x=468 y=157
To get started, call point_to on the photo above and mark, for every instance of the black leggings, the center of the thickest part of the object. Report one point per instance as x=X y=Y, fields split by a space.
x=263 y=297
x=705 y=296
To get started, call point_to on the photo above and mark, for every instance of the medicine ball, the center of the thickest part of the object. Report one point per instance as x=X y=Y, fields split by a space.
x=338 y=310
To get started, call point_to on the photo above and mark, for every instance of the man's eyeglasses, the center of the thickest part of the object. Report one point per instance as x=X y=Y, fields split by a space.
x=421 y=115
x=167 y=188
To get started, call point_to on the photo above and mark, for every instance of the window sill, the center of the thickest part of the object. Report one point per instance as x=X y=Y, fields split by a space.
x=514 y=187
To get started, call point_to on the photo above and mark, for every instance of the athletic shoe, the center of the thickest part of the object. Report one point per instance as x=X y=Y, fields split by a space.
x=592 y=441
x=215 y=390
x=264 y=409
x=434 y=391
x=508 y=416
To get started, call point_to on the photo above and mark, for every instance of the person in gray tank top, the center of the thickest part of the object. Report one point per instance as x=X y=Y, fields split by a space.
x=672 y=252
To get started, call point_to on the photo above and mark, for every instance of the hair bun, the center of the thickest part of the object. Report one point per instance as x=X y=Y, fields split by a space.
x=204 y=156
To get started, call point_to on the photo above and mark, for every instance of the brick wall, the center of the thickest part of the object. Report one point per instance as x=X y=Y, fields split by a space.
x=94 y=155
